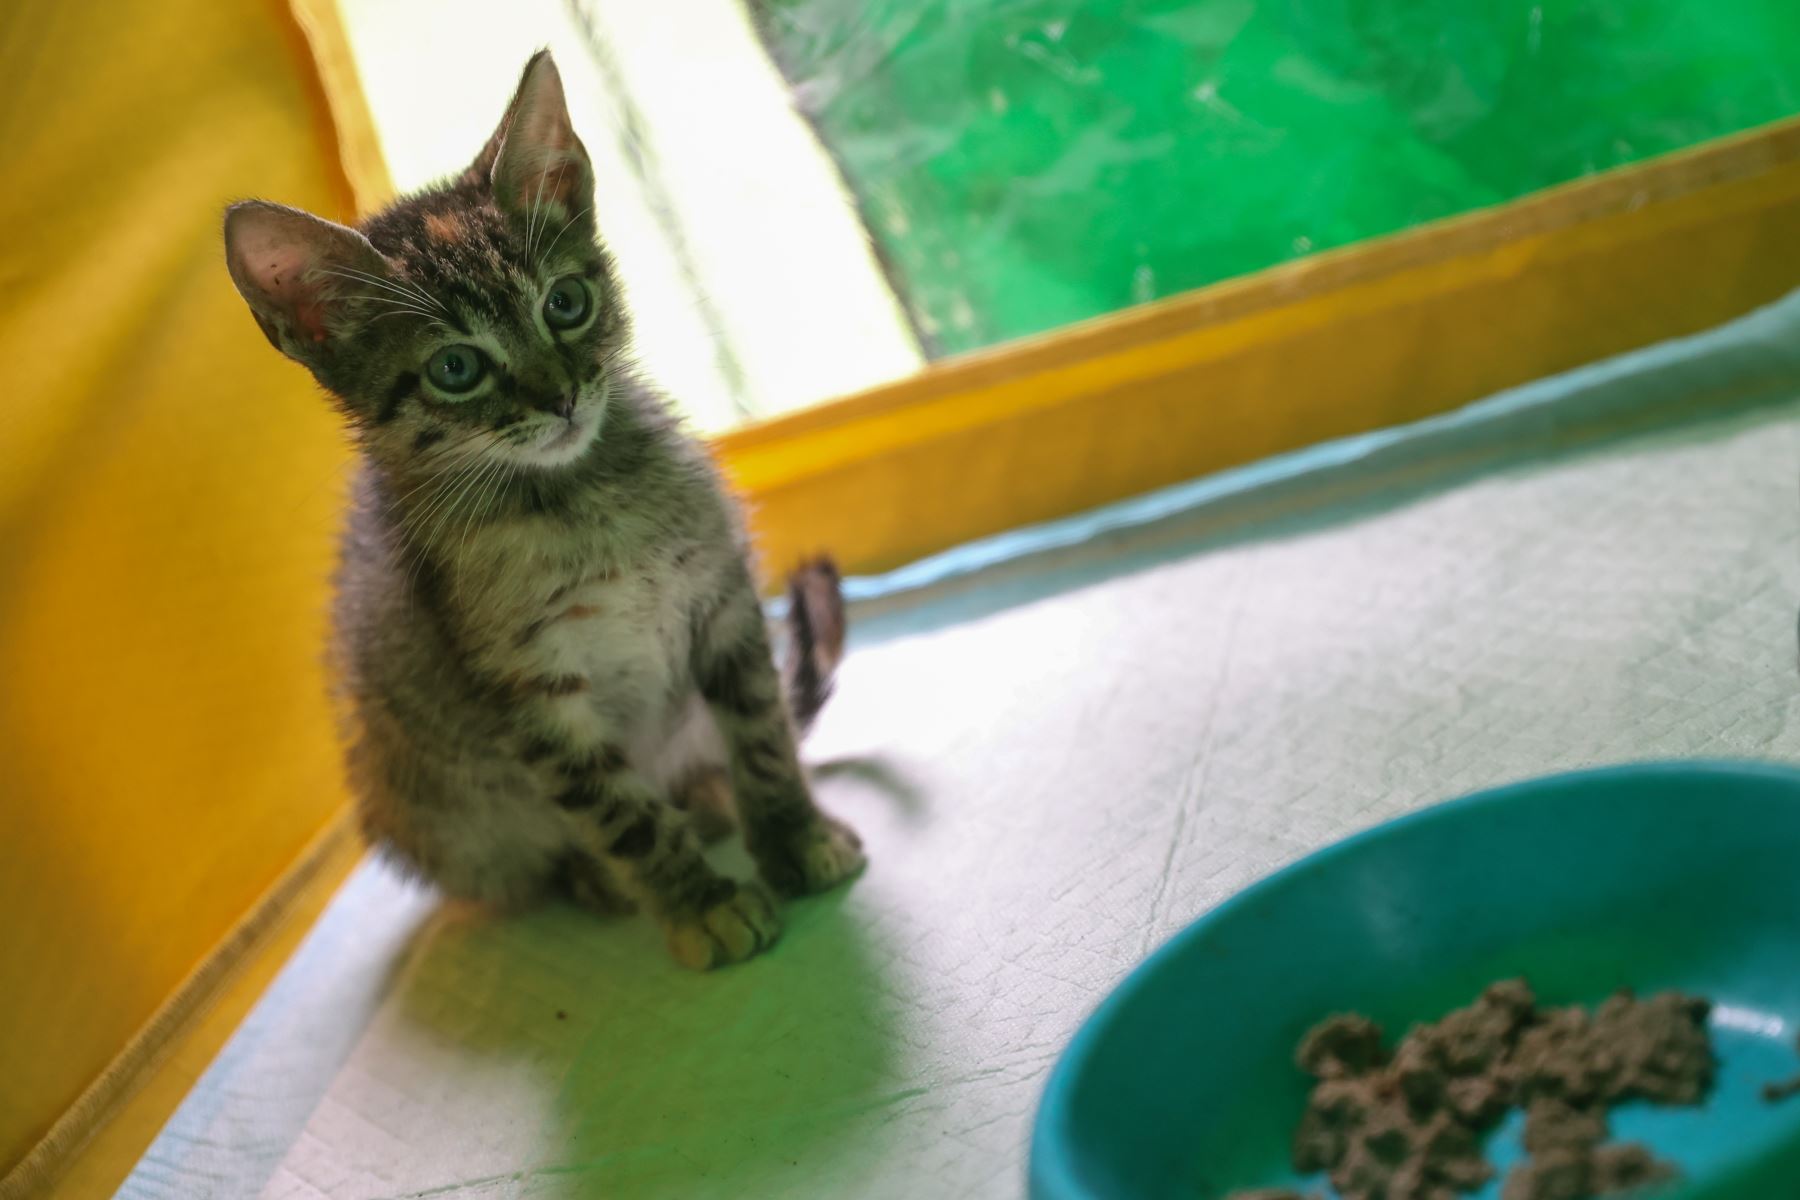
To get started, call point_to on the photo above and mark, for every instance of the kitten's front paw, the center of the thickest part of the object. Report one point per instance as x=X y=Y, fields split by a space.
x=728 y=932
x=821 y=856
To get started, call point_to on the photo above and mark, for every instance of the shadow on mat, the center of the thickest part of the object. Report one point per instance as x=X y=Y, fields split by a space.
x=570 y=1057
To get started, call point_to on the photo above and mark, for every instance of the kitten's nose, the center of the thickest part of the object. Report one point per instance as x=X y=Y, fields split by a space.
x=563 y=406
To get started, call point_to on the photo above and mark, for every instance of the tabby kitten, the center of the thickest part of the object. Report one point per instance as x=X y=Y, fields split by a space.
x=556 y=665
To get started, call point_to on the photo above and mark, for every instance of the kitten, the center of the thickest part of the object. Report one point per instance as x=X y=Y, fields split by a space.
x=545 y=623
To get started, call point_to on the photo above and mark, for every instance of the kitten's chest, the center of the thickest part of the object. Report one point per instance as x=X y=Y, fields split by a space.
x=620 y=637
x=633 y=624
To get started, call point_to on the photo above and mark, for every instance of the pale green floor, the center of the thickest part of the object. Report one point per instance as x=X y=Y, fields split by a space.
x=1056 y=762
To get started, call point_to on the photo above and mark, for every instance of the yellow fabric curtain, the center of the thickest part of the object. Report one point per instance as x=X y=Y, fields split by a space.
x=168 y=497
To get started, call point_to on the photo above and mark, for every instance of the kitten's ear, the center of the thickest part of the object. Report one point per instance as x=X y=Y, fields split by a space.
x=291 y=269
x=480 y=173
x=534 y=159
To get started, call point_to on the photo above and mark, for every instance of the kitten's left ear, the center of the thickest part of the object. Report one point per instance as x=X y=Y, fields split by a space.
x=536 y=158
x=297 y=272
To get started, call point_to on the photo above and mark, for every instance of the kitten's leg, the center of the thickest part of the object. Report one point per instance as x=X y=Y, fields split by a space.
x=797 y=848
x=705 y=796
x=584 y=879
x=648 y=847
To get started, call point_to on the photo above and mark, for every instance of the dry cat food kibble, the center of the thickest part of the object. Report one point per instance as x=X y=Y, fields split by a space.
x=1779 y=1090
x=1408 y=1125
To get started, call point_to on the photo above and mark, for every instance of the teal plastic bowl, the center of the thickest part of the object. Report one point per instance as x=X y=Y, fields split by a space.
x=1182 y=1083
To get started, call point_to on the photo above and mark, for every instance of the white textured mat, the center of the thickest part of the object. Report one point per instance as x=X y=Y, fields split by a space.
x=1089 y=732
x=1080 y=775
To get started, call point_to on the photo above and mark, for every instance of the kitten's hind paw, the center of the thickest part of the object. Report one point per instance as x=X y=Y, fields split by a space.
x=730 y=931
x=821 y=856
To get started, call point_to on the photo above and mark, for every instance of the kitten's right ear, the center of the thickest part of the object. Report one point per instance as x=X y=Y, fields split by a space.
x=295 y=270
x=535 y=158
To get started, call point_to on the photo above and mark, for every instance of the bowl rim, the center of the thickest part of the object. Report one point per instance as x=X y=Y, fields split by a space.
x=1051 y=1174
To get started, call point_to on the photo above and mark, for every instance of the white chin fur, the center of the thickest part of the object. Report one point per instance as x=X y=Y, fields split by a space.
x=562 y=445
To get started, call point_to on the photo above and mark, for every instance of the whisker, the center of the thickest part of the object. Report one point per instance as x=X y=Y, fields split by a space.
x=378 y=299
x=399 y=286
x=458 y=472
x=536 y=204
x=418 y=524
x=396 y=305
x=475 y=476
x=431 y=322
x=410 y=527
x=476 y=498
x=435 y=474
x=531 y=237
x=400 y=310
x=455 y=444
x=386 y=285
x=444 y=509
x=488 y=492
x=551 y=248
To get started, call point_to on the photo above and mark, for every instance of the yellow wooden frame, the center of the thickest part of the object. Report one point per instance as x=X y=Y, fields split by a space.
x=1357 y=339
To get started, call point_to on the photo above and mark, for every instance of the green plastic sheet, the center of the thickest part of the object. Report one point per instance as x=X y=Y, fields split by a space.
x=1026 y=163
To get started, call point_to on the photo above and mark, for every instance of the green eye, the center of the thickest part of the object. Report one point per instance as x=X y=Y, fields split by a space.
x=567 y=304
x=457 y=368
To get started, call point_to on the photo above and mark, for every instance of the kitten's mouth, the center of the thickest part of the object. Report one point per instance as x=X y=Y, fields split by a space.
x=567 y=442
x=571 y=433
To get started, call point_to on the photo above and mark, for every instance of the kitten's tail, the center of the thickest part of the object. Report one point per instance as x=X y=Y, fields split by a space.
x=815 y=641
